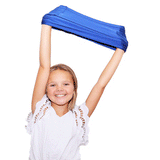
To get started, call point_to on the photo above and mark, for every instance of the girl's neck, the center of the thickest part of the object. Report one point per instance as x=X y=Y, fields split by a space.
x=60 y=110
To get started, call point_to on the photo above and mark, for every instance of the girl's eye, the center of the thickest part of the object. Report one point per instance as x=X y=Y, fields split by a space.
x=52 y=85
x=66 y=84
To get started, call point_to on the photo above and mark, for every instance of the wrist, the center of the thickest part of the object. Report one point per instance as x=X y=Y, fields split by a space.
x=46 y=27
x=120 y=51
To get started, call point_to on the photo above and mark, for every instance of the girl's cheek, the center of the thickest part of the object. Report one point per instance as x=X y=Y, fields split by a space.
x=49 y=90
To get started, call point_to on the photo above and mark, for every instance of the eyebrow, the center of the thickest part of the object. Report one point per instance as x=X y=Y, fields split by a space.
x=62 y=82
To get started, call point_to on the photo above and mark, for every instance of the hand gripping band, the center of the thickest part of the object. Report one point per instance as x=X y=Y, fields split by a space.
x=106 y=34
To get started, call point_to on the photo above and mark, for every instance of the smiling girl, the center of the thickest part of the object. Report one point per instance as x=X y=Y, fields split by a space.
x=57 y=126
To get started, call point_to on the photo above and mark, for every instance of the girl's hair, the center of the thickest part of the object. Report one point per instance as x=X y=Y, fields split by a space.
x=66 y=68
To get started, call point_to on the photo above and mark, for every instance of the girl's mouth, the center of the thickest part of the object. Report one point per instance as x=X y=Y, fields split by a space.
x=60 y=95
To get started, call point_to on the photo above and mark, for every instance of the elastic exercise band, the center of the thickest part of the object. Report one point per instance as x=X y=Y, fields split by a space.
x=106 y=34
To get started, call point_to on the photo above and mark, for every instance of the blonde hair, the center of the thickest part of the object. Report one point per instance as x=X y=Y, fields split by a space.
x=66 y=68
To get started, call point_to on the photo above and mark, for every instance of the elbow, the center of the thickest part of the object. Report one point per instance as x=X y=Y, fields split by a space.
x=101 y=85
x=103 y=82
x=44 y=67
x=45 y=64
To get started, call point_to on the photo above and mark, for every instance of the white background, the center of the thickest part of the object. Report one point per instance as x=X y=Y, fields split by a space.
x=126 y=122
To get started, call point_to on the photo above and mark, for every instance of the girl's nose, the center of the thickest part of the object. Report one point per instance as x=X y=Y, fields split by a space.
x=59 y=88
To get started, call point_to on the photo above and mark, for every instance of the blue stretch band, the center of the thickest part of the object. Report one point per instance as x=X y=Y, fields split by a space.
x=106 y=34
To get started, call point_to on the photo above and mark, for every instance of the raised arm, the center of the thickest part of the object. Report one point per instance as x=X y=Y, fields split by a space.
x=44 y=68
x=103 y=80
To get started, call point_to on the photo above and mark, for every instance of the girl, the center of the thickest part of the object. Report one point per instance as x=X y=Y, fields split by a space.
x=57 y=126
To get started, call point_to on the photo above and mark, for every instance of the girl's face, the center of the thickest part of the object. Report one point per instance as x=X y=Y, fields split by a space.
x=60 y=88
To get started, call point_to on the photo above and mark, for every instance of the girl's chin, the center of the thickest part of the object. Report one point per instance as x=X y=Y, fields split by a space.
x=55 y=103
x=60 y=101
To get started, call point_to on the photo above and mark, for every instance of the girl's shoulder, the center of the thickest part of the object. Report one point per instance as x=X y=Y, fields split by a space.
x=40 y=110
x=81 y=109
x=81 y=114
x=43 y=101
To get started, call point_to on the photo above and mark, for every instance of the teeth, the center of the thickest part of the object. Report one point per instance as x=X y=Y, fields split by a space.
x=60 y=95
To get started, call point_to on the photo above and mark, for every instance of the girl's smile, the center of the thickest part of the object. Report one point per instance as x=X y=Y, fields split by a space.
x=60 y=95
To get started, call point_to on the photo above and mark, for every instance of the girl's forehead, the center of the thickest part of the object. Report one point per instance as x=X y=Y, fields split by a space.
x=60 y=75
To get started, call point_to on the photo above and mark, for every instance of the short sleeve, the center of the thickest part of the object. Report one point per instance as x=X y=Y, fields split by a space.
x=32 y=119
x=82 y=121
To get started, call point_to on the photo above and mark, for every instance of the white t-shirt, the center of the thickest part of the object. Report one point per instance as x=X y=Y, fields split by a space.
x=54 y=137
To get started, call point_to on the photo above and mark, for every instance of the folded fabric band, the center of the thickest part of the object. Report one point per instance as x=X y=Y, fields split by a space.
x=106 y=34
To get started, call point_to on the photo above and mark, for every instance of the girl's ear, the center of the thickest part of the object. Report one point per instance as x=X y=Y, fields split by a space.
x=46 y=88
x=72 y=96
x=72 y=101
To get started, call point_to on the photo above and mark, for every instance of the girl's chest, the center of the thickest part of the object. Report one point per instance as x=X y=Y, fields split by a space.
x=55 y=126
